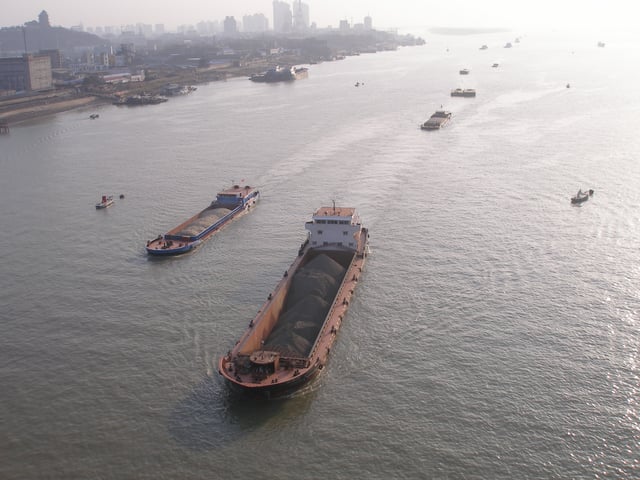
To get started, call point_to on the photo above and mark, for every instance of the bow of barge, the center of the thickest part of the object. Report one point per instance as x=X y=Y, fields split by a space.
x=290 y=339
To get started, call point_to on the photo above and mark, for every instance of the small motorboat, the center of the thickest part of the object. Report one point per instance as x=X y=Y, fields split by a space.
x=106 y=202
x=581 y=196
x=93 y=116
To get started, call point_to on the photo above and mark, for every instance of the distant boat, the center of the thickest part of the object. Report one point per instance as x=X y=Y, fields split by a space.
x=508 y=45
x=93 y=116
x=438 y=120
x=105 y=202
x=483 y=47
x=174 y=89
x=495 y=65
x=464 y=71
x=568 y=85
x=601 y=44
x=581 y=196
x=467 y=92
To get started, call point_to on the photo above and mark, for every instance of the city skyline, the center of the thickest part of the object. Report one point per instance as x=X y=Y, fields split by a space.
x=399 y=14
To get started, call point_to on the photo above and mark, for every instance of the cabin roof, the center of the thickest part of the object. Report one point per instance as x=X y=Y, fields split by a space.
x=236 y=189
x=334 y=212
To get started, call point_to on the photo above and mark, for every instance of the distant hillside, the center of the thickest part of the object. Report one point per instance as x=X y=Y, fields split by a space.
x=38 y=38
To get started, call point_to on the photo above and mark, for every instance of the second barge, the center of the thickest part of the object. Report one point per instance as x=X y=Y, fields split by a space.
x=288 y=342
x=438 y=120
x=228 y=205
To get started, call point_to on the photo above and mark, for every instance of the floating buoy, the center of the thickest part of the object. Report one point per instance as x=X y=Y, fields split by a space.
x=122 y=195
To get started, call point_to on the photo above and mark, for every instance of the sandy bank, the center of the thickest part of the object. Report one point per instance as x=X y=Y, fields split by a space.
x=37 y=109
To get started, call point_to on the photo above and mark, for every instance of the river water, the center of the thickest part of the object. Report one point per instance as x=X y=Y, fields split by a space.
x=494 y=333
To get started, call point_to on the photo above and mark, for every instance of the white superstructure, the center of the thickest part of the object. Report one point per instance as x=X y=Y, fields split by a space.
x=334 y=226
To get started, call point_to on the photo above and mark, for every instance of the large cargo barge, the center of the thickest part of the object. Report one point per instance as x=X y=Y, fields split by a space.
x=228 y=205
x=288 y=342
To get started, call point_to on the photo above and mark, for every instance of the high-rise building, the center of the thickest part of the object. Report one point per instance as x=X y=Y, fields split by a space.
x=282 y=18
x=144 y=29
x=230 y=26
x=300 y=16
x=255 y=23
x=368 y=24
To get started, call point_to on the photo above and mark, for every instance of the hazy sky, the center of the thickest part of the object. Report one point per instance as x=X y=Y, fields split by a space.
x=388 y=13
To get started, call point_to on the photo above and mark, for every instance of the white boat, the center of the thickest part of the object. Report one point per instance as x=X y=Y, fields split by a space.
x=105 y=202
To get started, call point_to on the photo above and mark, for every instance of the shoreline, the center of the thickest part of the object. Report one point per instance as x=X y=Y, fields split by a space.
x=37 y=109
x=16 y=110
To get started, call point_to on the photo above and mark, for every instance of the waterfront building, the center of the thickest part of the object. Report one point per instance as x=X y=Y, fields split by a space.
x=56 y=57
x=26 y=73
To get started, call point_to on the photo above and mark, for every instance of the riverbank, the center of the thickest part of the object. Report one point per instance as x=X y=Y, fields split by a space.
x=37 y=106
x=18 y=109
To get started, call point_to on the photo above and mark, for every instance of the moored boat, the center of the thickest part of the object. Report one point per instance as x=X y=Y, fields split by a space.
x=438 y=120
x=228 y=205
x=105 y=202
x=288 y=342
x=174 y=89
x=464 y=71
x=466 y=92
x=581 y=196
x=280 y=74
x=141 y=99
